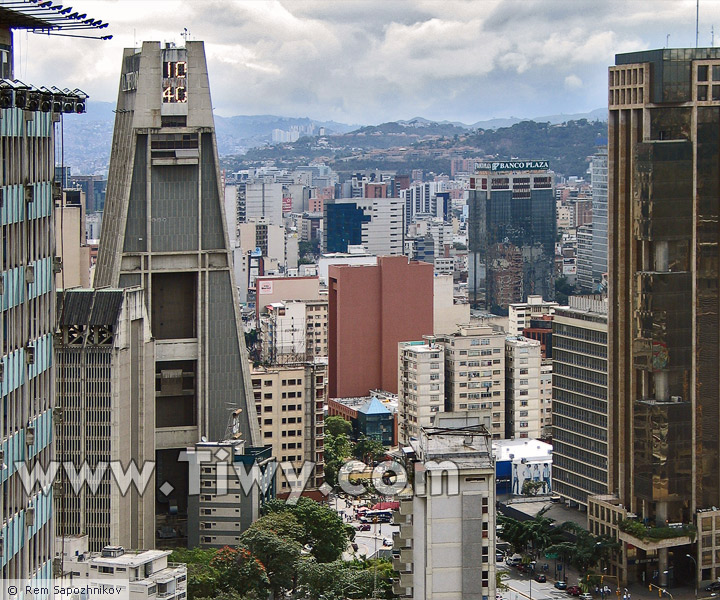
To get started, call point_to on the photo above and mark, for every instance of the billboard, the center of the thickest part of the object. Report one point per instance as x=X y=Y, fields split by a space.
x=513 y=165
x=538 y=472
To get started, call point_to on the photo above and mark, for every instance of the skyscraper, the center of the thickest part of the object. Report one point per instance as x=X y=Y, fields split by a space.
x=598 y=177
x=28 y=119
x=664 y=354
x=579 y=415
x=511 y=234
x=164 y=230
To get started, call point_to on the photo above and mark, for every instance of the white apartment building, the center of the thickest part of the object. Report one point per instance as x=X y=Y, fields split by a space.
x=475 y=374
x=445 y=548
x=294 y=331
x=441 y=232
x=224 y=508
x=522 y=388
x=520 y=313
x=384 y=234
x=421 y=383
x=546 y=371
x=264 y=199
x=289 y=401
x=149 y=573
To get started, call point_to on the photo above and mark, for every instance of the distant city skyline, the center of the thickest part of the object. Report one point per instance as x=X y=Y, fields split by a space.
x=374 y=61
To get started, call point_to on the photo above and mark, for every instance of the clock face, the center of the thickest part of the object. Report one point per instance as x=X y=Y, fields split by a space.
x=175 y=81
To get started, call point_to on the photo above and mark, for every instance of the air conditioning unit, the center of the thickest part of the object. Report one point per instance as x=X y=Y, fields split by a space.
x=676 y=399
x=57 y=415
x=57 y=264
x=29 y=435
x=30 y=274
x=30 y=516
x=29 y=194
x=30 y=355
x=3 y=466
x=57 y=489
x=2 y=285
x=2 y=372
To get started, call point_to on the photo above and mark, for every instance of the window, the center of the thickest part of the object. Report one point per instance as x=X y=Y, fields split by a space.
x=485 y=341
x=475 y=342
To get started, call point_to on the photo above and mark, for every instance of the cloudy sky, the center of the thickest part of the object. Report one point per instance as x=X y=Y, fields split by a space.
x=370 y=61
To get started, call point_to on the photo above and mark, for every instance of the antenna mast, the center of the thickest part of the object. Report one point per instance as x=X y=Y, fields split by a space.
x=697 y=21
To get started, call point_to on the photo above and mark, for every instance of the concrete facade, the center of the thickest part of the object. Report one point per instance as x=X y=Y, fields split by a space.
x=520 y=314
x=421 y=385
x=523 y=410
x=445 y=548
x=289 y=400
x=475 y=375
x=105 y=368
x=371 y=310
x=164 y=230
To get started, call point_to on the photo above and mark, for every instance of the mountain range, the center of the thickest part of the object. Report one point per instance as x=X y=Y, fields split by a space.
x=87 y=138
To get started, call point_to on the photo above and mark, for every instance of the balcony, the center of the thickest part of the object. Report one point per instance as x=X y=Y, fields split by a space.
x=654 y=538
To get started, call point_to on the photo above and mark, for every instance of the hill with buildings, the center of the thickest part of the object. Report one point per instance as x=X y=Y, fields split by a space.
x=417 y=143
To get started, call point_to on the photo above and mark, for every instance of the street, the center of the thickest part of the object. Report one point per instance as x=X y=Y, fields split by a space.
x=368 y=541
x=520 y=587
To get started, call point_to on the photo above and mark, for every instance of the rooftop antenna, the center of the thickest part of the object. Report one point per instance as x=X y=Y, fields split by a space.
x=667 y=40
x=186 y=33
x=697 y=21
x=712 y=36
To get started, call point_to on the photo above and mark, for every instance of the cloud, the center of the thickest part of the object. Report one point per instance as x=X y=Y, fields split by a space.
x=573 y=82
x=368 y=61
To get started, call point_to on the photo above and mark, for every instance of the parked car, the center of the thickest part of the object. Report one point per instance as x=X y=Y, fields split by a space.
x=364 y=527
x=574 y=590
x=514 y=560
x=540 y=578
x=387 y=542
x=713 y=587
x=561 y=585
x=586 y=596
x=499 y=556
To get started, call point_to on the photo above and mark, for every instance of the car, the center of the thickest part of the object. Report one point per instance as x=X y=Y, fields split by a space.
x=540 y=578
x=713 y=587
x=387 y=542
x=585 y=596
x=561 y=585
x=574 y=590
x=364 y=527
x=522 y=568
x=499 y=556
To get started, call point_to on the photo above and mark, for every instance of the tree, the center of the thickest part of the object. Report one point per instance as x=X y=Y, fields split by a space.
x=531 y=488
x=324 y=530
x=337 y=425
x=368 y=450
x=219 y=573
x=277 y=555
x=335 y=580
x=337 y=450
x=587 y=550
x=284 y=524
x=538 y=532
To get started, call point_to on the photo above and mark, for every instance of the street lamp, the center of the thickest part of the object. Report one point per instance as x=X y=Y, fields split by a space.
x=692 y=558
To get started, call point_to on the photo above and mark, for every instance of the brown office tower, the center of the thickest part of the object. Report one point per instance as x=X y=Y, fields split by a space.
x=164 y=230
x=371 y=309
x=663 y=360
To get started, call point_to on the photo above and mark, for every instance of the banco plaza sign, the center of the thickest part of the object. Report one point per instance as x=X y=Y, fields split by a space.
x=513 y=165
